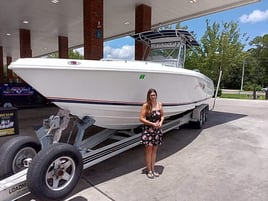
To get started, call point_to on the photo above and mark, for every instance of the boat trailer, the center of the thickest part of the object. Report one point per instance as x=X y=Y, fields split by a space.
x=50 y=169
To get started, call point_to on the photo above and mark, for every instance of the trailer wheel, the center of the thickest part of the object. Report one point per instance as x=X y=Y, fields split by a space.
x=14 y=152
x=198 y=124
x=204 y=116
x=55 y=171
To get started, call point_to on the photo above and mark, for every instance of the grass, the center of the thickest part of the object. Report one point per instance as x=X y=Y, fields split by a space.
x=242 y=96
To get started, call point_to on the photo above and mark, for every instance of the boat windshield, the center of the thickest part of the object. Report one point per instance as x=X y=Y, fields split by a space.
x=163 y=56
x=168 y=56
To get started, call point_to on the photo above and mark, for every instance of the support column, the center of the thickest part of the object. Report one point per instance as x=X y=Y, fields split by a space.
x=143 y=15
x=9 y=72
x=25 y=43
x=1 y=65
x=93 y=29
x=63 y=47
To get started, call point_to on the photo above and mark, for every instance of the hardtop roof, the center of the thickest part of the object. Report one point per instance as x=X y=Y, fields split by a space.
x=149 y=37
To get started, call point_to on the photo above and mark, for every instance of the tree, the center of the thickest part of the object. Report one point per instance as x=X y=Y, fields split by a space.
x=257 y=65
x=73 y=54
x=260 y=55
x=220 y=49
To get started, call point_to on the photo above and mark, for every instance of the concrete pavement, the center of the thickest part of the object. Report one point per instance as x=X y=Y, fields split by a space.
x=225 y=161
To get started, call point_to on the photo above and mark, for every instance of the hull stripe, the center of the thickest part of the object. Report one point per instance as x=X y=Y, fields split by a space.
x=99 y=102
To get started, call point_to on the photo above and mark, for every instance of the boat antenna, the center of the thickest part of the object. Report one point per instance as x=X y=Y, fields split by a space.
x=145 y=53
x=217 y=89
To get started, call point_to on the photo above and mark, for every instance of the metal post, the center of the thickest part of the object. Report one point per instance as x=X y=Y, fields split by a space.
x=242 y=79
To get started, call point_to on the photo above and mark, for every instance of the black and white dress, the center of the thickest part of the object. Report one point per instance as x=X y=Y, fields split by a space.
x=150 y=135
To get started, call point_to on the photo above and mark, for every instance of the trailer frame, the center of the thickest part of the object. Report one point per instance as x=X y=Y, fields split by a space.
x=15 y=186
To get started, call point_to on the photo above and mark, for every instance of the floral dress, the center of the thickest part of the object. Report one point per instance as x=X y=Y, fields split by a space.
x=150 y=135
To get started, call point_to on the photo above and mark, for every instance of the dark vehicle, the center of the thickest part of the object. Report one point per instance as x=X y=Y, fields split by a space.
x=20 y=95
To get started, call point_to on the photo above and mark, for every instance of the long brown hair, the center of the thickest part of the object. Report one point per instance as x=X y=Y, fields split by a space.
x=149 y=104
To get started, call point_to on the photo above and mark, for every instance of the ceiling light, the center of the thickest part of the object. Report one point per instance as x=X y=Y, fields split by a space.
x=192 y=1
x=25 y=22
x=8 y=34
x=55 y=1
x=126 y=23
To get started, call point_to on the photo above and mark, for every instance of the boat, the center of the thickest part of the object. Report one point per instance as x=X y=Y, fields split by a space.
x=113 y=91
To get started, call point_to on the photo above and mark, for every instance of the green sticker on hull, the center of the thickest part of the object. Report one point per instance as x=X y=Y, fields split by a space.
x=142 y=76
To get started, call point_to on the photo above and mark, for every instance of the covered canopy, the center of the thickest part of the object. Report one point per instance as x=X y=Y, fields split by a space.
x=47 y=19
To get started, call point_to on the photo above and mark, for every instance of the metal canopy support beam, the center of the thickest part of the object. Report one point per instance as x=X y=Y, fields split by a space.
x=143 y=15
x=93 y=29
x=25 y=43
x=63 y=47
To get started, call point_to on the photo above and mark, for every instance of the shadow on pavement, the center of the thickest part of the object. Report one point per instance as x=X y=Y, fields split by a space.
x=78 y=198
x=216 y=118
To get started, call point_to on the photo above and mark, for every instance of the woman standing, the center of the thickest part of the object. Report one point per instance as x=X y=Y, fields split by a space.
x=152 y=116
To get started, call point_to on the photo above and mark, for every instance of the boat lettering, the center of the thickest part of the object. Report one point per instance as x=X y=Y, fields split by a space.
x=16 y=188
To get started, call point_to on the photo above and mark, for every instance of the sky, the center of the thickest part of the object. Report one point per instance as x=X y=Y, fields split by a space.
x=252 y=19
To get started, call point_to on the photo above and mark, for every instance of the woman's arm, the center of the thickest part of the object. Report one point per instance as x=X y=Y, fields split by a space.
x=162 y=115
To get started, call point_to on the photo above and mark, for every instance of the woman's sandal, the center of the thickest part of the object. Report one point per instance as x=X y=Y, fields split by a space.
x=156 y=174
x=150 y=175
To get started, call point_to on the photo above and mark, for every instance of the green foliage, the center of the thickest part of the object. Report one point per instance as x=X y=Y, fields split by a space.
x=73 y=54
x=223 y=50
x=258 y=61
x=220 y=50
x=249 y=86
x=242 y=96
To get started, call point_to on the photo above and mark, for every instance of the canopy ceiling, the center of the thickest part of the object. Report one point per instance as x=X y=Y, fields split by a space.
x=47 y=20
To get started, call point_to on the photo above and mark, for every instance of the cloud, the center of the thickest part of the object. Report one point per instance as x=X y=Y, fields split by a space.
x=255 y=16
x=80 y=50
x=125 y=52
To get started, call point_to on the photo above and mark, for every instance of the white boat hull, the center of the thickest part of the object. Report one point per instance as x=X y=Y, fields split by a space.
x=112 y=92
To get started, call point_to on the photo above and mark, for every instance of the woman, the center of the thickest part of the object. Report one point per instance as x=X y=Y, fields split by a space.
x=152 y=116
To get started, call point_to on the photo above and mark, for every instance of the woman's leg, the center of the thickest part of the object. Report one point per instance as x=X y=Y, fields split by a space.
x=148 y=157
x=153 y=156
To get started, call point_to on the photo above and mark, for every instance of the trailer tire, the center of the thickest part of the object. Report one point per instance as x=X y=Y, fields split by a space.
x=14 y=152
x=199 y=123
x=55 y=171
x=206 y=114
